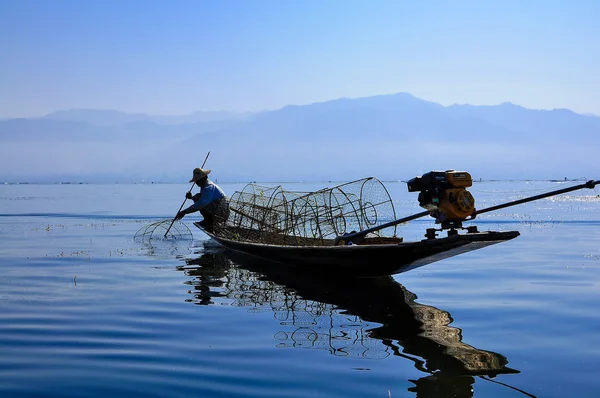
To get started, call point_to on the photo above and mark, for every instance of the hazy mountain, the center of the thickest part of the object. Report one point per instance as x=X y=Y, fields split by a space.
x=98 y=117
x=200 y=117
x=30 y=130
x=390 y=136
x=104 y=117
x=143 y=132
x=557 y=122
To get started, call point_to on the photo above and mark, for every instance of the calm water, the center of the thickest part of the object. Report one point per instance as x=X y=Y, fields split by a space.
x=87 y=312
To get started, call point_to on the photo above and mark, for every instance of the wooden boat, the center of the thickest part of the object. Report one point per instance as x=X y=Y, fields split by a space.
x=374 y=256
x=361 y=253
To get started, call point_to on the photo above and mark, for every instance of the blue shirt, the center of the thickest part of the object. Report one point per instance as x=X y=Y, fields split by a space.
x=209 y=193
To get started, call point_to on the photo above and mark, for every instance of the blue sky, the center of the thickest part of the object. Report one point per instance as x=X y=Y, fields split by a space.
x=173 y=57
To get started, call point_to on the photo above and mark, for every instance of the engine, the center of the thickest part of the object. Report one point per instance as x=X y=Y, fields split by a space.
x=444 y=194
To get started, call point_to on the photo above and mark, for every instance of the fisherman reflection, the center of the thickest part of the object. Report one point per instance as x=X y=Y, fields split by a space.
x=330 y=315
x=209 y=271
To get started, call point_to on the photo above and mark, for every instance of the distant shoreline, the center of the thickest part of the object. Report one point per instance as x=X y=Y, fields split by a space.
x=265 y=182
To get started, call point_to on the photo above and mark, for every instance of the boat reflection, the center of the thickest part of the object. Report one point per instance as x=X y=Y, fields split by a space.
x=369 y=318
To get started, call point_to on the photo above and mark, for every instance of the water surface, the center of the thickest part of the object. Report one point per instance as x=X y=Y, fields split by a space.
x=87 y=311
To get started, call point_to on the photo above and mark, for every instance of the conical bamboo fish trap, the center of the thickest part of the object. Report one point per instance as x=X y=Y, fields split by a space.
x=158 y=230
x=272 y=215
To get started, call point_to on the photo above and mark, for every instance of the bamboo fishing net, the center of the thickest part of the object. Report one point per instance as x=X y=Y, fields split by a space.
x=272 y=215
x=160 y=230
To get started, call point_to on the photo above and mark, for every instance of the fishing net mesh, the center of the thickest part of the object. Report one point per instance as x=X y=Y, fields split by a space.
x=160 y=230
x=272 y=215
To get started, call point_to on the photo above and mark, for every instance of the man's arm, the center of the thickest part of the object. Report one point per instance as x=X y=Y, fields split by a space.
x=195 y=197
x=183 y=212
x=201 y=200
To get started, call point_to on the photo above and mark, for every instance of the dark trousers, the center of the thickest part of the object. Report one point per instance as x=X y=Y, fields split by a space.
x=215 y=213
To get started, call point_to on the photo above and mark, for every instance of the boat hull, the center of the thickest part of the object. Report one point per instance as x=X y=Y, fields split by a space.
x=368 y=260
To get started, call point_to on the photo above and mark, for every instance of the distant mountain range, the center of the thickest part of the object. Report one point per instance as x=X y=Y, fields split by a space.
x=393 y=137
x=106 y=117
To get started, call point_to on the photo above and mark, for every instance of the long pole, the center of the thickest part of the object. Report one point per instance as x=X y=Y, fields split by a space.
x=352 y=235
x=181 y=207
x=590 y=184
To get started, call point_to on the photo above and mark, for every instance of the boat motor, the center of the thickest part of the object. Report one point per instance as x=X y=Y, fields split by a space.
x=444 y=195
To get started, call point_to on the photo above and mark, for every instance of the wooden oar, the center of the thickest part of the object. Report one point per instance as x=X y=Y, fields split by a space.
x=181 y=207
x=348 y=237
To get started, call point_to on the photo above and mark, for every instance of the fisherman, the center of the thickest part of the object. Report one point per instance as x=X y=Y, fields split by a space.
x=211 y=201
